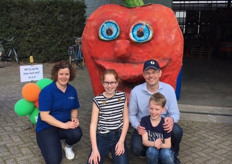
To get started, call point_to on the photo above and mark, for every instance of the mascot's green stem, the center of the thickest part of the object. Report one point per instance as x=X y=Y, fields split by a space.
x=133 y=3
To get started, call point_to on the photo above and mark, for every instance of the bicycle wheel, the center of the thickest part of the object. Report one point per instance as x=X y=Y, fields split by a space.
x=79 y=59
x=83 y=63
x=2 y=62
x=80 y=64
x=73 y=63
x=70 y=59
x=16 y=56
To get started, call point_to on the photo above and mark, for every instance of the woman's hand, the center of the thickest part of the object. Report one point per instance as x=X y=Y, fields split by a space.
x=119 y=149
x=94 y=157
x=76 y=121
x=71 y=125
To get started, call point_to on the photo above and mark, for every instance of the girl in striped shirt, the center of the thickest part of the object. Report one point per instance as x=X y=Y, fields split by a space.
x=109 y=122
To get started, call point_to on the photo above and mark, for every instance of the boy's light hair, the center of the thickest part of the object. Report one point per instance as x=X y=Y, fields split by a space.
x=158 y=98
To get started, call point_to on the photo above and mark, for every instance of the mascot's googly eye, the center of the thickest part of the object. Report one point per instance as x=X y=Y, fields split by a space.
x=141 y=32
x=109 y=30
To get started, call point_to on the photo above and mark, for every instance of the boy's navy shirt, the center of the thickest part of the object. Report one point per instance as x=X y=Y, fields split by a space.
x=58 y=103
x=154 y=132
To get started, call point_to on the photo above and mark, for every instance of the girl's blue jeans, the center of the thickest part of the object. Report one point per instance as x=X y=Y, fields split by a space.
x=50 y=144
x=106 y=143
x=156 y=156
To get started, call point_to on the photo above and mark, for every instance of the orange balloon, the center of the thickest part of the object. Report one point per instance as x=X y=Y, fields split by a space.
x=31 y=92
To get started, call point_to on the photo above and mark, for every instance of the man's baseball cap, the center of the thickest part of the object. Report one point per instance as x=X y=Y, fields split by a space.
x=151 y=64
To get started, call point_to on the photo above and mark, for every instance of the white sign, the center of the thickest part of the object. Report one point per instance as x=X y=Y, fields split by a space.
x=31 y=73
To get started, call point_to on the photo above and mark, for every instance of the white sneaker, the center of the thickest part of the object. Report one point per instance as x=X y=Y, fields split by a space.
x=69 y=153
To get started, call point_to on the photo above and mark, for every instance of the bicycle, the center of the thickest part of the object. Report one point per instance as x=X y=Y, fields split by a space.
x=75 y=54
x=9 y=49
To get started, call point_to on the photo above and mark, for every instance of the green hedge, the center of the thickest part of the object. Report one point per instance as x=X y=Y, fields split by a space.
x=43 y=28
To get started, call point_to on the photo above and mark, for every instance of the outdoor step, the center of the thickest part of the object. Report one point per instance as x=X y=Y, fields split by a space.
x=206 y=113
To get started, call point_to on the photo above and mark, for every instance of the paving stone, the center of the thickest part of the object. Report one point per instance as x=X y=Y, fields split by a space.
x=11 y=161
x=203 y=141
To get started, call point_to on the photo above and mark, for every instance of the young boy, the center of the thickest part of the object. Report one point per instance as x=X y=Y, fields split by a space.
x=156 y=138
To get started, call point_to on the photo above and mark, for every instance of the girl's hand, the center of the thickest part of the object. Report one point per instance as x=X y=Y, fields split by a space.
x=119 y=149
x=94 y=158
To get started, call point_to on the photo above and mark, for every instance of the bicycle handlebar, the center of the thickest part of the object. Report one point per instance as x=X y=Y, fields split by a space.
x=7 y=40
x=74 y=38
x=10 y=39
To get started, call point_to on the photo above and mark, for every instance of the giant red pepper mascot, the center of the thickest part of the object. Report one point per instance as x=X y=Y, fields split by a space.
x=123 y=37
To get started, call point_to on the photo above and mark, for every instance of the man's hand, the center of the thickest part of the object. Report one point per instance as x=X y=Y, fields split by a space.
x=141 y=130
x=168 y=124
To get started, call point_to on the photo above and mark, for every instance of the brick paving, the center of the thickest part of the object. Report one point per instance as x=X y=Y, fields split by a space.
x=203 y=142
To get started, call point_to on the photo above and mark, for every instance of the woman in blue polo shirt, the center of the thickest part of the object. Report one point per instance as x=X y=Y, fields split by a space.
x=58 y=118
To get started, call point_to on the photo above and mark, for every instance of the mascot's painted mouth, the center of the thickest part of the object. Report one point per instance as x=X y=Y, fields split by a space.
x=128 y=72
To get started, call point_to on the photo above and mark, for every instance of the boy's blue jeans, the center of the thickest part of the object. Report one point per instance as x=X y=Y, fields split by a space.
x=155 y=156
x=106 y=143
x=138 y=149
x=50 y=144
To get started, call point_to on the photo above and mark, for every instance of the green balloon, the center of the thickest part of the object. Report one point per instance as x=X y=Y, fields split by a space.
x=23 y=107
x=43 y=82
x=34 y=116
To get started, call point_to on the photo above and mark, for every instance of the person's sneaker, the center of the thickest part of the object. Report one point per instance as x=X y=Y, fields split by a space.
x=69 y=153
